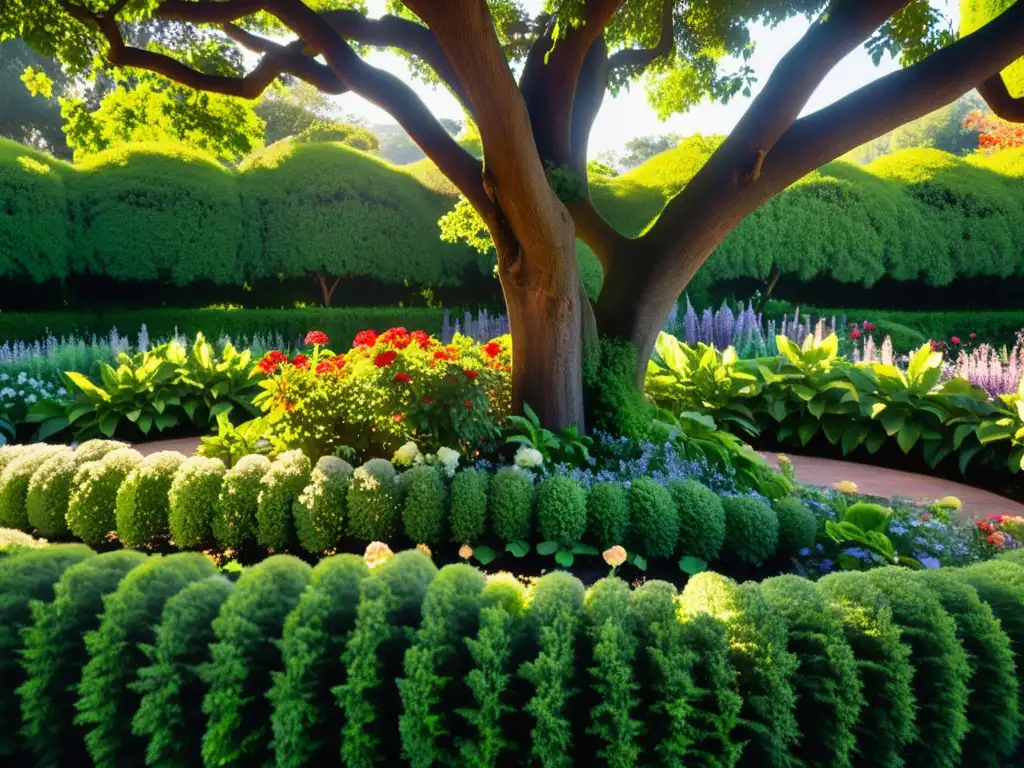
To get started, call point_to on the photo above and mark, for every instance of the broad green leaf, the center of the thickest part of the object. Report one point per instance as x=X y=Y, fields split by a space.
x=789 y=350
x=547 y=547
x=892 y=421
x=867 y=517
x=854 y=436
x=90 y=389
x=585 y=549
x=518 y=548
x=907 y=436
x=484 y=554
x=564 y=558
x=692 y=565
x=108 y=423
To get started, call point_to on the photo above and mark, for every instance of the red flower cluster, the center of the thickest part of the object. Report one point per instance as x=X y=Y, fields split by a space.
x=316 y=337
x=955 y=339
x=421 y=337
x=973 y=335
x=384 y=359
x=300 y=361
x=402 y=377
x=399 y=338
x=271 y=361
x=448 y=353
x=868 y=326
x=365 y=338
x=937 y=346
x=997 y=539
x=471 y=374
x=331 y=365
x=985 y=527
x=855 y=334
x=492 y=349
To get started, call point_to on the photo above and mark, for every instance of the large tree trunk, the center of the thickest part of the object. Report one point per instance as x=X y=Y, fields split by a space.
x=551 y=321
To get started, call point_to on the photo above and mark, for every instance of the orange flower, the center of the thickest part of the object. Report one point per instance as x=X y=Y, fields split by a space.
x=465 y=551
x=615 y=556
x=376 y=553
x=425 y=550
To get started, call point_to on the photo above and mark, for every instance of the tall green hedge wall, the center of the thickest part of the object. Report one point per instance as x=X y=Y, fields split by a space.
x=161 y=212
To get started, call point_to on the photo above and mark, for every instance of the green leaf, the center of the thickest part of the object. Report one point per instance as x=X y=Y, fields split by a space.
x=133 y=415
x=961 y=433
x=108 y=423
x=145 y=423
x=547 y=548
x=484 y=554
x=50 y=427
x=853 y=437
x=892 y=421
x=564 y=558
x=692 y=565
x=867 y=517
x=807 y=430
x=907 y=437
x=87 y=387
x=585 y=549
x=875 y=440
x=637 y=561
x=518 y=548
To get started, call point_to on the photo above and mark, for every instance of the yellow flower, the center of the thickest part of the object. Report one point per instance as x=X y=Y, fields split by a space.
x=465 y=551
x=846 y=486
x=949 y=502
x=376 y=553
x=425 y=550
x=783 y=459
x=615 y=556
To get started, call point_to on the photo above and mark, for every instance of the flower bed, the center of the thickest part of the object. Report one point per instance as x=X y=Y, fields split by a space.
x=385 y=659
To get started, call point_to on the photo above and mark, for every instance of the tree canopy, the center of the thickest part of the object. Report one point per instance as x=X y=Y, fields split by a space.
x=533 y=83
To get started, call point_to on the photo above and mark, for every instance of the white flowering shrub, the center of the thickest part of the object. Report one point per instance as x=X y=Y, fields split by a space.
x=528 y=458
x=407 y=456
x=373 y=501
x=448 y=458
x=320 y=509
x=19 y=392
x=12 y=542
x=91 y=510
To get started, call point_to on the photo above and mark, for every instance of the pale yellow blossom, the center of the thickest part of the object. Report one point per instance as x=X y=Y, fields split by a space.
x=465 y=551
x=615 y=556
x=425 y=550
x=376 y=553
x=846 y=486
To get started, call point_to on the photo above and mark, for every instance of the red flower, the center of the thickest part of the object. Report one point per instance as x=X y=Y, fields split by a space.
x=300 y=361
x=974 y=336
x=384 y=359
x=470 y=374
x=270 y=361
x=870 y=326
x=289 y=405
x=428 y=400
x=469 y=404
x=926 y=516
x=493 y=349
x=997 y=539
x=937 y=346
x=865 y=325
x=985 y=527
x=365 y=339
x=396 y=418
x=955 y=339
x=316 y=337
x=421 y=337
x=855 y=334
x=397 y=337
x=453 y=380
x=324 y=366
x=403 y=377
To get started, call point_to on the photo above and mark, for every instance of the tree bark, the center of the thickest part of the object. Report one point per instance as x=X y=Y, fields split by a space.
x=327 y=291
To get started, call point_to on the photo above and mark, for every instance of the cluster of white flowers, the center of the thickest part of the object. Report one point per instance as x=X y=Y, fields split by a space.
x=528 y=458
x=448 y=458
x=19 y=392
x=408 y=455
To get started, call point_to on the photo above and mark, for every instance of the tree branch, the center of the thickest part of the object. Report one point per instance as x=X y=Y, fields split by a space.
x=995 y=93
x=896 y=99
x=208 y=12
x=395 y=32
x=390 y=94
x=638 y=59
x=300 y=65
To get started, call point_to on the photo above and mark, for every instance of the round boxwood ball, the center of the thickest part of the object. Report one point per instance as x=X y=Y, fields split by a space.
x=423 y=513
x=142 y=501
x=93 y=504
x=797 y=527
x=654 y=528
x=511 y=504
x=751 y=529
x=607 y=514
x=320 y=509
x=467 y=509
x=373 y=502
x=701 y=519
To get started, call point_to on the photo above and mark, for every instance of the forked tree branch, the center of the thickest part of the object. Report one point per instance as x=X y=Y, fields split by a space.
x=208 y=11
x=995 y=93
x=640 y=58
x=300 y=64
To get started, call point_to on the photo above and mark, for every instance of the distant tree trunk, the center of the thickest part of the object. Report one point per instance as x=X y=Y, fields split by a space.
x=772 y=280
x=327 y=292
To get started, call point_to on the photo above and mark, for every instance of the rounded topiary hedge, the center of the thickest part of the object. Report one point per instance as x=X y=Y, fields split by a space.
x=93 y=502
x=404 y=664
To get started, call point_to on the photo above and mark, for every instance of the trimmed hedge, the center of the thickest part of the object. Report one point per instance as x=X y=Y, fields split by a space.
x=370 y=666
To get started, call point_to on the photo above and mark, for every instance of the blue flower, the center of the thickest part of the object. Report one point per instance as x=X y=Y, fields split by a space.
x=931 y=563
x=805 y=552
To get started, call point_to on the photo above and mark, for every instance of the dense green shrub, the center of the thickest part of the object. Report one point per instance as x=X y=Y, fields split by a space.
x=432 y=686
x=992 y=706
x=373 y=499
x=49 y=490
x=829 y=696
x=607 y=514
x=281 y=486
x=306 y=720
x=143 y=505
x=23 y=579
x=886 y=723
x=234 y=519
x=612 y=646
x=654 y=522
x=387 y=612
x=55 y=654
x=798 y=526
x=510 y=505
x=467 y=509
x=106 y=700
x=14 y=483
x=561 y=510
x=320 y=509
x=36 y=230
x=93 y=503
x=423 y=505
x=157 y=212
x=610 y=394
x=759 y=649
x=9 y=453
x=554 y=621
x=170 y=711
x=751 y=529
x=701 y=519
x=244 y=658
x=941 y=670
x=193 y=497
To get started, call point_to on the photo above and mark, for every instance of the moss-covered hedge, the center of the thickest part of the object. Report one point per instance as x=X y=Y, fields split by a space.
x=403 y=664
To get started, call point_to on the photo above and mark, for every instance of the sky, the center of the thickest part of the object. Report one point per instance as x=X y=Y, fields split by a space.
x=629 y=115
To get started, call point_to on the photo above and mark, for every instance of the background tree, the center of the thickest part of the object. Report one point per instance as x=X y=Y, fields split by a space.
x=531 y=189
x=640 y=149
x=32 y=121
